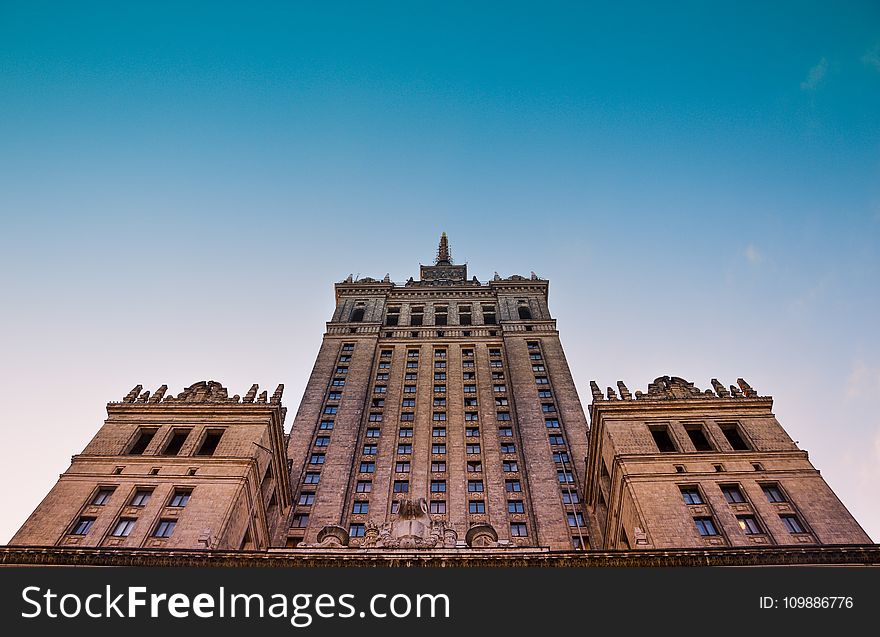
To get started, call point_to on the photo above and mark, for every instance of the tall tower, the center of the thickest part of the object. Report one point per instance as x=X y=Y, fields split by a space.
x=440 y=413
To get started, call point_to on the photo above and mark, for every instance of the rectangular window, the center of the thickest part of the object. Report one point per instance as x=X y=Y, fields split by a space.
x=331 y=409
x=472 y=432
x=102 y=496
x=439 y=402
x=438 y=449
x=123 y=527
x=541 y=380
x=503 y=416
x=548 y=407
x=141 y=497
x=356 y=529
x=348 y=347
x=467 y=353
x=211 y=442
x=698 y=438
x=440 y=364
x=732 y=433
x=363 y=486
x=401 y=486
x=474 y=466
x=144 y=437
x=773 y=493
x=438 y=432
x=560 y=456
x=373 y=432
x=508 y=447
x=749 y=524
x=792 y=523
x=175 y=444
x=345 y=358
x=338 y=382
x=475 y=486
x=370 y=450
x=552 y=423
x=499 y=389
x=439 y=389
x=472 y=448
x=439 y=353
x=385 y=353
x=404 y=448
x=501 y=402
x=326 y=424
x=405 y=432
x=438 y=466
x=408 y=402
x=342 y=369
x=316 y=458
x=515 y=506
x=732 y=493
x=662 y=439
x=512 y=486
x=439 y=375
x=575 y=519
x=545 y=393
x=375 y=418
x=509 y=466
x=322 y=441
x=82 y=526
x=505 y=432
x=570 y=497
x=538 y=368
x=334 y=395
x=306 y=498
x=165 y=528
x=413 y=353
x=564 y=476
x=471 y=416
x=412 y=364
x=368 y=467
x=312 y=478
x=691 y=495
x=438 y=486
x=439 y=415
x=380 y=389
x=407 y=416
x=409 y=389
x=477 y=506
x=705 y=526
x=438 y=506
x=180 y=498
x=556 y=439
x=402 y=466
x=395 y=506
x=468 y=376
x=361 y=507
x=470 y=389
x=518 y=529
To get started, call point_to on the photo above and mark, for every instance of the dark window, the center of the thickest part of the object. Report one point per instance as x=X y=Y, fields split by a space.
x=82 y=526
x=564 y=476
x=792 y=523
x=570 y=497
x=474 y=466
x=438 y=486
x=180 y=498
x=306 y=498
x=438 y=466
x=575 y=519
x=691 y=495
x=512 y=486
x=731 y=432
x=518 y=529
x=732 y=493
x=357 y=529
x=472 y=448
x=361 y=507
x=438 y=432
x=438 y=448
x=476 y=506
x=404 y=447
x=662 y=439
x=515 y=506
x=322 y=441
x=560 y=456
x=749 y=524
x=401 y=486
x=141 y=497
x=509 y=466
x=698 y=438
x=438 y=506
x=705 y=526
x=357 y=315
x=556 y=439
x=165 y=528
x=123 y=527
x=475 y=486
x=348 y=347
x=143 y=439
x=368 y=467
x=416 y=317
x=102 y=496
x=402 y=466
x=373 y=433
x=505 y=431
x=508 y=447
x=178 y=437
x=364 y=486
x=312 y=478
x=209 y=445
x=472 y=431
x=316 y=458
x=370 y=450
x=405 y=432
x=773 y=493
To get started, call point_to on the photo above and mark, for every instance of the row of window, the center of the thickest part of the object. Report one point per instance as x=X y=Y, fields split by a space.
x=748 y=522
x=123 y=527
x=174 y=442
x=697 y=434
x=441 y=315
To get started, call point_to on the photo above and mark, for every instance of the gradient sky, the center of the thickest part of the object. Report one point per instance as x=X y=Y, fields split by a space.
x=181 y=184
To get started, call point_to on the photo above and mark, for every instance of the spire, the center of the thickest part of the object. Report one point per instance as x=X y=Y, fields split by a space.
x=443 y=256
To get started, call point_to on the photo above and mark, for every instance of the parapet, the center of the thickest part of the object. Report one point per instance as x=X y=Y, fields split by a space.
x=205 y=391
x=675 y=388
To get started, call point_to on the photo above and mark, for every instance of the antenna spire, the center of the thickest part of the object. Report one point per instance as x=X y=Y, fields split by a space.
x=443 y=256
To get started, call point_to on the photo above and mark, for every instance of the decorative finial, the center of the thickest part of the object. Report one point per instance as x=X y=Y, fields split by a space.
x=443 y=256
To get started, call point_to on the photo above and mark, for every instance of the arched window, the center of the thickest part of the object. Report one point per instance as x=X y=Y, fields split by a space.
x=525 y=313
x=357 y=315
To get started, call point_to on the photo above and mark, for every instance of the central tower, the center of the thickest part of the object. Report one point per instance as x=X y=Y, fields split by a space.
x=440 y=413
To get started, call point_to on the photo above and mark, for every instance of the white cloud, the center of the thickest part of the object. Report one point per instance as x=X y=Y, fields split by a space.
x=863 y=381
x=753 y=255
x=815 y=76
x=872 y=57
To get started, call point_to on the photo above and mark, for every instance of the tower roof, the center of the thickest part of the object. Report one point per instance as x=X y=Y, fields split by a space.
x=443 y=256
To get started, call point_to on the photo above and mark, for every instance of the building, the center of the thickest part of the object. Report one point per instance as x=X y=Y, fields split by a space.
x=441 y=426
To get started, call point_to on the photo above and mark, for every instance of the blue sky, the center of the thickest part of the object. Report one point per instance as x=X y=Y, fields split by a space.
x=181 y=184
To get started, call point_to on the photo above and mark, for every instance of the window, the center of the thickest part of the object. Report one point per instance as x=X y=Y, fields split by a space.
x=438 y=486
x=349 y=347
x=402 y=466
x=548 y=407
x=464 y=315
x=505 y=432
x=552 y=423
x=210 y=443
x=322 y=441
x=165 y=528
x=312 y=478
x=175 y=443
x=373 y=432
x=411 y=376
x=467 y=353
x=141 y=497
x=535 y=356
x=364 y=486
x=570 y=497
x=508 y=447
x=337 y=395
x=501 y=402
x=440 y=389
x=326 y=424
x=407 y=416
x=440 y=353
x=438 y=448
x=82 y=526
x=468 y=376
x=306 y=498
x=475 y=486
x=123 y=527
x=439 y=375
x=691 y=495
x=316 y=458
x=539 y=368
x=496 y=364
x=470 y=389
x=564 y=476
x=330 y=409
x=499 y=389
x=440 y=364
x=361 y=507
x=342 y=369
x=732 y=433
x=560 y=456
x=698 y=438
x=375 y=418
x=556 y=439
x=408 y=402
x=489 y=314
x=515 y=506
x=346 y=359
x=385 y=353
x=405 y=432
x=368 y=467
x=357 y=314
x=438 y=432
x=356 y=529
x=472 y=448
x=413 y=353
x=705 y=526
x=474 y=466
x=438 y=466
x=471 y=416
x=392 y=316
x=144 y=436
x=439 y=415
x=412 y=364
x=509 y=466
x=545 y=393
x=512 y=486
x=338 y=382
x=438 y=506
x=180 y=498
x=576 y=519
x=409 y=389
x=518 y=529
x=404 y=448
x=370 y=450
x=792 y=523
x=503 y=416
x=102 y=496
x=477 y=506
x=749 y=524
x=395 y=506
x=401 y=486
x=732 y=493
x=541 y=380
x=439 y=402
x=472 y=432
x=773 y=493
x=664 y=443
x=380 y=389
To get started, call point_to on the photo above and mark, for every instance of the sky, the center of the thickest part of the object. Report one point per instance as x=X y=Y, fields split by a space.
x=182 y=183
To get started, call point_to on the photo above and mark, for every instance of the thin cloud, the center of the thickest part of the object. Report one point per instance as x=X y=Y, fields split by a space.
x=862 y=381
x=753 y=255
x=815 y=76
x=872 y=57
